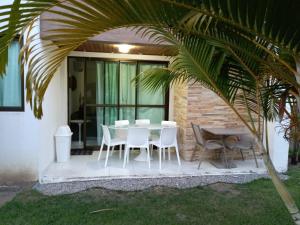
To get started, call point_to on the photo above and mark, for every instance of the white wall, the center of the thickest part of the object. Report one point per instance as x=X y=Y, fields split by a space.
x=26 y=143
x=19 y=141
x=55 y=115
x=278 y=147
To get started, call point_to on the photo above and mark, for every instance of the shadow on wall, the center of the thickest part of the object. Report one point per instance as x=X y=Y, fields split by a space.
x=9 y=178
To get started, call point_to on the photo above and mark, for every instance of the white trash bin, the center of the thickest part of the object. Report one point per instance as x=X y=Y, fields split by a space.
x=63 y=137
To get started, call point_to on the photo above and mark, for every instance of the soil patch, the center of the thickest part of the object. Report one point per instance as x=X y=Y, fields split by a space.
x=225 y=188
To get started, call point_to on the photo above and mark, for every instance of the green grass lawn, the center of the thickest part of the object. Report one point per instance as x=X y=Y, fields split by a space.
x=256 y=203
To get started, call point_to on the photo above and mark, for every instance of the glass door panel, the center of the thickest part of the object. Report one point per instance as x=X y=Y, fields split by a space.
x=127 y=86
x=155 y=115
x=94 y=82
x=111 y=115
x=111 y=83
x=95 y=117
x=146 y=97
x=76 y=101
x=103 y=91
x=94 y=120
x=127 y=113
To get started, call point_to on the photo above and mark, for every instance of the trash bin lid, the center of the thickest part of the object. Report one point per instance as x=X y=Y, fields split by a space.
x=63 y=131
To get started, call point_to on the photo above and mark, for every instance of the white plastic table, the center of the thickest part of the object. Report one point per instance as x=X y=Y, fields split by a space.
x=150 y=126
x=226 y=131
x=143 y=153
x=79 y=122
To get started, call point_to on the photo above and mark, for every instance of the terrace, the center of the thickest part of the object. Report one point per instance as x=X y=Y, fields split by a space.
x=101 y=91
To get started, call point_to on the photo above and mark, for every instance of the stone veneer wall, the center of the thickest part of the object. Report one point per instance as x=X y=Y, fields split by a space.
x=180 y=113
x=194 y=103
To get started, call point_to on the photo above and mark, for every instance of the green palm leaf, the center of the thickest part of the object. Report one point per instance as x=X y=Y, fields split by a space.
x=77 y=21
x=265 y=19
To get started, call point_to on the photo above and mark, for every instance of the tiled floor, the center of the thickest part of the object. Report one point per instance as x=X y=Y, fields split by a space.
x=86 y=167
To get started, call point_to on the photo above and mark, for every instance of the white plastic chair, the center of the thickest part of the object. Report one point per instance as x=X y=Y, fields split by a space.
x=120 y=133
x=137 y=138
x=167 y=139
x=120 y=123
x=109 y=142
x=167 y=123
x=142 y=122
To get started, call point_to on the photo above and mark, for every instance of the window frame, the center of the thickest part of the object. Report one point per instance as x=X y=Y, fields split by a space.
x=118 y=106
x=20 y=108
x=136 y=105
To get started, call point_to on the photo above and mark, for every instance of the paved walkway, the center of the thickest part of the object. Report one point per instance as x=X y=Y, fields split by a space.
x=8 y=192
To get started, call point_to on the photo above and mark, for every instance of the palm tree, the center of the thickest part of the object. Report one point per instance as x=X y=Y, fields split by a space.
x=258 y=93
x=223 y=44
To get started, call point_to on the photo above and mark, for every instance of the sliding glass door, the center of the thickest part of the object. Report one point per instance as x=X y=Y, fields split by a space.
x=110 y=93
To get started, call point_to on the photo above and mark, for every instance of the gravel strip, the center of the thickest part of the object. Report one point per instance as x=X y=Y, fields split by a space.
x=135 y=184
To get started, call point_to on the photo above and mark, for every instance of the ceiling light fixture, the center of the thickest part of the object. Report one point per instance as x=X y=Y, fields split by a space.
x=124 y=48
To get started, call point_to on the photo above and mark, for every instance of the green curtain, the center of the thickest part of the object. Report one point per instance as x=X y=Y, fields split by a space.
x=111 y=91
x=127 y=91
x=10 y=84
x=146 y=97
x=109 y=82
x=156 y=115
x=99 y=99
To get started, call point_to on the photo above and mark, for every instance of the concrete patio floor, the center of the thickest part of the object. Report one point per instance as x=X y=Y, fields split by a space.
x=87 y=167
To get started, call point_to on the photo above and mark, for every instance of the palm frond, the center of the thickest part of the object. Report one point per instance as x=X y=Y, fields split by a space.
x=265 y=19
x=14 y=19
x=77 y=21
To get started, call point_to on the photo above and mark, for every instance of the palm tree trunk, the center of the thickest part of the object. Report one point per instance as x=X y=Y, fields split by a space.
x=297 y=75
x=296 y=130
x=279 y=185
x=297 y=60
